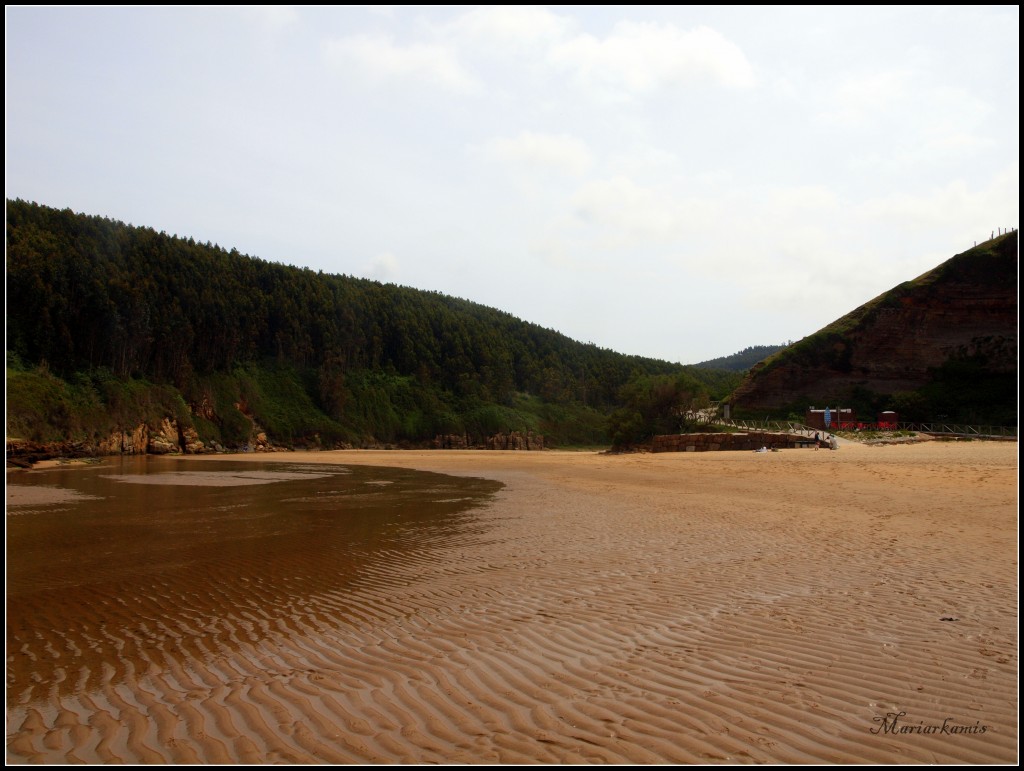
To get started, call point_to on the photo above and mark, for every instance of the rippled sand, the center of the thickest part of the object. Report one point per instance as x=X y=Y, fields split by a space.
x=790 y=607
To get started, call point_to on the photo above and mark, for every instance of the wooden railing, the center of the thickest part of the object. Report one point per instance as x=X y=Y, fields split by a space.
x=788 y=426
x=959 y=429
x=940 y=428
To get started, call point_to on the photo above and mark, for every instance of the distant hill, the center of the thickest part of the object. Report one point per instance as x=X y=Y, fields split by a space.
x=942 y=346
x=111 y=326
x=742 y=361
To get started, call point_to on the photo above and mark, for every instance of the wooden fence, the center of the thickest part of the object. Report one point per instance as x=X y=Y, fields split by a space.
x=939 y=429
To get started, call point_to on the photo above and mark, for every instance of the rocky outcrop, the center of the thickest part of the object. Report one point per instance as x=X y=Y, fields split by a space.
x=513 y=440
x=260 y=443
x=191 y=444
x=258 y=440
x=22 y=453
x=164 y=439
x=125 y=442
x=965 y=308
x=451 y=442
x=204 y=409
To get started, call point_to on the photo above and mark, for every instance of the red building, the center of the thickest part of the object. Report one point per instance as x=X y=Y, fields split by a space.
x=839 y=418
x=887 y=420
x=844 y=419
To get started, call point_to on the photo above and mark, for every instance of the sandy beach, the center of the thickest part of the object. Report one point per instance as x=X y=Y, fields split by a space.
x=857 y=606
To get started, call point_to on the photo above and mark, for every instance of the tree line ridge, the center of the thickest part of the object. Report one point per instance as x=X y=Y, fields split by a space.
x=104 y=318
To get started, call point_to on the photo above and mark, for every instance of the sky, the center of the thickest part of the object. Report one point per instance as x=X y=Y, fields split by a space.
x=673 y=182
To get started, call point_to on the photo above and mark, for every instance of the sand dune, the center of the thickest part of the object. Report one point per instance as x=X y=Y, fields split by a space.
x=790 y=607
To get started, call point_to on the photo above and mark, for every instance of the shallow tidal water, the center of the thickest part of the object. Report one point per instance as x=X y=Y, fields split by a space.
x=140 y=565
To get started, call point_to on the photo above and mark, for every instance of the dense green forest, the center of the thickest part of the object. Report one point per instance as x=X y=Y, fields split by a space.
x=744 y=360
x=110 y=324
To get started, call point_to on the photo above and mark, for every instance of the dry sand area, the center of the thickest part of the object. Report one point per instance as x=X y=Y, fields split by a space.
x=857 y=606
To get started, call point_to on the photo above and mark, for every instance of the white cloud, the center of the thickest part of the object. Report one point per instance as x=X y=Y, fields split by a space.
x=380 y=58
x=955 y=208
x=801 y=200
x=642 y=161
x=384 y=267
x=636 y=58
x=917 y=129
x=620 y=204
x=554 y=247
x=632 y=215
x=387 y=11
x=271 y=16
x=519 y=29
x=861 y=98
x=558 y=152
x=954 y=144
x=642 y=58
x=953 y=125
x=731 y=237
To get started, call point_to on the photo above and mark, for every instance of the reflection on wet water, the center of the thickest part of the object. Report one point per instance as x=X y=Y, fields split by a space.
x=153 y=561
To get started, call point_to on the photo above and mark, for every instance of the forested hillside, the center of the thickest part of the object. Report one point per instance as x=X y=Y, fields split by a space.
x=109 y=323
x=743 y=360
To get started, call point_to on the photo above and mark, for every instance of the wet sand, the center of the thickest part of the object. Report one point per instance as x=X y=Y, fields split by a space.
x=791 y=607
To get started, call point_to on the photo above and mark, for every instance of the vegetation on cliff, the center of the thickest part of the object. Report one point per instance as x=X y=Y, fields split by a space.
x=657 y=404
x=110 y=324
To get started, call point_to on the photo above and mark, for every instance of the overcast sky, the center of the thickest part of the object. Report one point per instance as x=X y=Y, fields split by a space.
x=676 y=182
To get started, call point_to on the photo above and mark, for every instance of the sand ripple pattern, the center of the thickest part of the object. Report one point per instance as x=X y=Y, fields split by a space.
x=622 y=610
